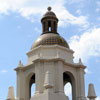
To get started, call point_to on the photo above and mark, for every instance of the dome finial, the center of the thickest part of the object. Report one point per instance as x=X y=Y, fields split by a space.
x=49 y=8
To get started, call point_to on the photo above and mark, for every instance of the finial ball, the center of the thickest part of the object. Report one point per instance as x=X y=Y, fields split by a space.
x=49 y=8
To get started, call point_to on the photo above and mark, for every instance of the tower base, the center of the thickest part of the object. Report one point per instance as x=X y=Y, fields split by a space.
x=50 y=96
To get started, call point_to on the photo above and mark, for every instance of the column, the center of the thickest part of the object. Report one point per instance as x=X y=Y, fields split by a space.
x=80 y=84
x=20 y=85
x=59 y=77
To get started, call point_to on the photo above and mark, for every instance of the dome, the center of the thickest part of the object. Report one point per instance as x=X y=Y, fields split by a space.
x=49 y=34
x=50 y=14
x=50 y=39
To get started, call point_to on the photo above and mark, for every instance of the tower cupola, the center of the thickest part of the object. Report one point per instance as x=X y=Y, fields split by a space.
x=49 y=22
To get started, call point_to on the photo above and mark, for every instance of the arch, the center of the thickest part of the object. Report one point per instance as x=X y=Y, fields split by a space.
x=68 y=77
x=68 y=90
x=30 y=79
x=31 y=82
x=49 y=26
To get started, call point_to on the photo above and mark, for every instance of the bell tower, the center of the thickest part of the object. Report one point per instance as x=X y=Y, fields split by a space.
x=50 y=66
x=49 y=22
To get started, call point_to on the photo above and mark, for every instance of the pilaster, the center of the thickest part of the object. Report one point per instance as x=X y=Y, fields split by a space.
x=20 y=84
x=80 y=84
x=59 y=77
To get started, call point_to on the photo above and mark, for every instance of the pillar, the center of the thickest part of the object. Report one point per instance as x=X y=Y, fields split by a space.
x=91 y=92
x=11 y=95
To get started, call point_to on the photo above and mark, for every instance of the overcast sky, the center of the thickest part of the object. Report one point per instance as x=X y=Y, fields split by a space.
x=20 y=25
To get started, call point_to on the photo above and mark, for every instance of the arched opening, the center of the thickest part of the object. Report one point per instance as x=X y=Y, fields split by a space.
x=29 y=86
x=32 y=86
x=69 y=85
x=49 y=26
x=68 y=90
x=32 y=89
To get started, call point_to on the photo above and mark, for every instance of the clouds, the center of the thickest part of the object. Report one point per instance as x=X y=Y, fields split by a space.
x=98 y=6
x=87 y=45
x=79 y=12
x=3 y=71
x=34 y=9
x=10 y=5
x=67 y=18
x=98 y=98
x=68 y=90
x=75 y=1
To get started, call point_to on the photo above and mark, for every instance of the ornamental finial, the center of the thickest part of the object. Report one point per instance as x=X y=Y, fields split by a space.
x=80 y=61
x=20 y=64
x=49 y=8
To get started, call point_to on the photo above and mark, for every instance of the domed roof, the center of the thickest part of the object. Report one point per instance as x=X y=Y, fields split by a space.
x=50 y=35
x=49 y=13
x=50 y=39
